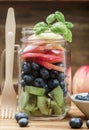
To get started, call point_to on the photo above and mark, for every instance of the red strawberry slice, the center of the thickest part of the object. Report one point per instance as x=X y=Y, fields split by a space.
x=29 y=48
x=51 y=66
x=50 y=60
x=36 y=49
x=42 y=49
x=42 y=57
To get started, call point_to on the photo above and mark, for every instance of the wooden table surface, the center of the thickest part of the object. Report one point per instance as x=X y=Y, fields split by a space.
x=11 y=124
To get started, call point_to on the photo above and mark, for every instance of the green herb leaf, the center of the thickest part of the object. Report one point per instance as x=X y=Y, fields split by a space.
x=40 y=30
x=69 y=24
x=59 y=16
x=56 y=23
x=40 y=27
x=50 y=19
x=68 y=35
x=40 y=24
x=59 y=27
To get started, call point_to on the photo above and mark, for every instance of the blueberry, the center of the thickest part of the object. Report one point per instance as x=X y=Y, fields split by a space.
x=54 y=74
x=59 y=64
x=82 y=97
x=20 y=115
x=35 y=73
x=62 y=84
x=52 y=83
x=65 y=91
x=85 y=98
x=88 y=96
x=46 y=88
x=75 y=122
x=87 y=123
x=23 y=122
x=26 y=68
x=35 y=66
x=44 y=73
x=61 y=76
x=22 y=74
x=28 y=79
x=79 y=97
x=22 y=82
x=38 y=82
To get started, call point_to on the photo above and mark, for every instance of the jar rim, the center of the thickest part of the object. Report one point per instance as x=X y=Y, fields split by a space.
x=29 y=31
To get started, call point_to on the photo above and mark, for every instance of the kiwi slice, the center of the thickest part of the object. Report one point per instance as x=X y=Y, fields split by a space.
x=30 y=107
x=56 y=109
x=57 y=95
x=35 y=90
x=32 y=102
x=42 y=105
x=36 y=112
x=24 y=99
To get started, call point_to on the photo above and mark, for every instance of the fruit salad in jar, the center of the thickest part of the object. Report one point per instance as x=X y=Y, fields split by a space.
x=45 y=61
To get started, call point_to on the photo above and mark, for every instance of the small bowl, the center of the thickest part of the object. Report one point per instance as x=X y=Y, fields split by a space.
x=81 y=104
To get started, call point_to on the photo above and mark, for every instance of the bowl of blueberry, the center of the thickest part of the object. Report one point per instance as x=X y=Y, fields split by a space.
x=81 y=100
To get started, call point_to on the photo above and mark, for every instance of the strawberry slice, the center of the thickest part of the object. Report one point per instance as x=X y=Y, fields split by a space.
x=51 y=66
x=43 y=49
x=30 y=48
x=35 y=49
x=32 y=55
x=42 y=57
x=50 y=60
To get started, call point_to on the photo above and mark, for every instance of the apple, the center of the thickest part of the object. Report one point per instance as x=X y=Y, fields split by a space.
x=81 y=80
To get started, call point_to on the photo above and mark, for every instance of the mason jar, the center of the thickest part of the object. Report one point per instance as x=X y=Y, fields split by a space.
x=45 y=75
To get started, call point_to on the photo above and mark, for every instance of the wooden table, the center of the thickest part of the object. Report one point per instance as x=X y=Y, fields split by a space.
x=11 y=124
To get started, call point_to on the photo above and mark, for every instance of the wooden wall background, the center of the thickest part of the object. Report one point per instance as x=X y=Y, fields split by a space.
x=29 y=12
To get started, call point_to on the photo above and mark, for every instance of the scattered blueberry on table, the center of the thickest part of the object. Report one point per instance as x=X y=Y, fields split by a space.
x=75 y=122
x=22 y=119
x=87 y=123
x=23 y=122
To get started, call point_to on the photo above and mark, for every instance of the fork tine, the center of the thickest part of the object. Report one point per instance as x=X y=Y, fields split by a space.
x=9 y=113
x=6 y=112
x=13 y=113
x=2 y=112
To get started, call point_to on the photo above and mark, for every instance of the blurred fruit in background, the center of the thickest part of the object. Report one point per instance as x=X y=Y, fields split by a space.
x=81 y=80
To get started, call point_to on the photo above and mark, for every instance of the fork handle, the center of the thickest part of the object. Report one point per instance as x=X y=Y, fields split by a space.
x=10 y=29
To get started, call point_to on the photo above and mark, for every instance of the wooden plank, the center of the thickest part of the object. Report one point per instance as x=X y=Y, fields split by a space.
x=11 y=124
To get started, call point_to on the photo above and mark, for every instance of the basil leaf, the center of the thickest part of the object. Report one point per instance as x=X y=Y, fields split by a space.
x=68 y=35
x=59 y=16
x=40 y=30
x=59 y=27
x=69 y=24
x=40 y=27
x=40 y=24
x=50 y=19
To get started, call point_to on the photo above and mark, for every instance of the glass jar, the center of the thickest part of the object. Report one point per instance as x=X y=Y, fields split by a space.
x=45 y=78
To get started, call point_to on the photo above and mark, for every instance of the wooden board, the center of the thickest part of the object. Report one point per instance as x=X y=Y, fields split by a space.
x=11 y=124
